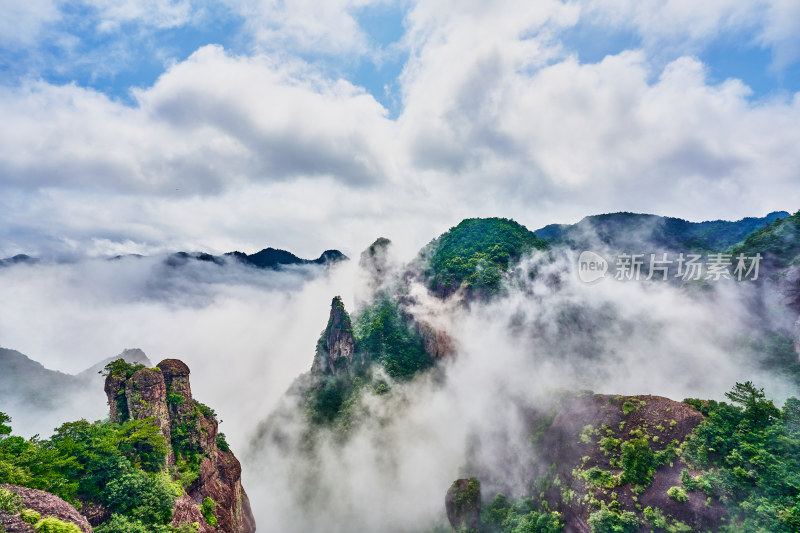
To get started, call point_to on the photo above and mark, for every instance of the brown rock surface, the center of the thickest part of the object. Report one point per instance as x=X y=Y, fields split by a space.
x=115 y=392
x=335 y=355
x=562 y=445
x=176 y=378
x=221 y=480
x=339 y=336
x=45 y=504
x=154 y=393
x=187 y=511
x=146 y=393
x=437 y=342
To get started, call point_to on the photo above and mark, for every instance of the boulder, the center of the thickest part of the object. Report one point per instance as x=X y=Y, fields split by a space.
x=44 y=503
x=463 y=504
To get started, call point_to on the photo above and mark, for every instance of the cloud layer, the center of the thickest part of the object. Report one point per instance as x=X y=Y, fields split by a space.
x=498 y=116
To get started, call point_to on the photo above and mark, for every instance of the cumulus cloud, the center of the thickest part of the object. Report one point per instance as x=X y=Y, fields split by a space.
x=227 y=150
x=209 y=122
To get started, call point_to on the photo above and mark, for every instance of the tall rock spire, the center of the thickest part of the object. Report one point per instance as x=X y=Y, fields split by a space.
x=336 y=348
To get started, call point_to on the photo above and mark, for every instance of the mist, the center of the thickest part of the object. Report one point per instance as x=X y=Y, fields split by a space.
x=248 y=334
x=245 y=333
x=547 y=332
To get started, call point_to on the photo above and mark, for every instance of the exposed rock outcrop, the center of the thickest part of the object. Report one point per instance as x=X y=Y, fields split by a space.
x=220 y=480
x=146 y=394
x=463 y=504
x=117 y=401
x=164 y=394
x=186 y=511
x=437 y=342
x=337 y=346
x=568 y=444
x=44 y=503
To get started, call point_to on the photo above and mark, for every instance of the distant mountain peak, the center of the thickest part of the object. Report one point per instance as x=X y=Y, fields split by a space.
x=275 y=258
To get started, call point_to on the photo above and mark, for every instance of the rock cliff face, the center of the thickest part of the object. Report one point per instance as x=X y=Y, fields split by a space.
x=164 y=394
x=337 y=346
x=44 y=503
x=581 y=434
x=146 y=396
x=437 y=342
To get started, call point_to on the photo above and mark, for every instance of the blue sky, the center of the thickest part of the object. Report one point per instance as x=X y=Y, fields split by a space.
x=135 y=125
x=73 y=49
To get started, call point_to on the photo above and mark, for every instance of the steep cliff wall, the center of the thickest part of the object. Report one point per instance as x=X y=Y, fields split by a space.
x=199 y=456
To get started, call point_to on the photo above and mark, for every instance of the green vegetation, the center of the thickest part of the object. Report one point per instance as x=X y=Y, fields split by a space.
x=468 y=495
x=476 y=252
x=222 y=444
x=122 y=368
x=660 y=522
x=10 y=502
x=524 y=516
x=5 y=429
x=750 y=453
x=628 y=407
x=334 y=400
x=607 y=520
x=778 y=242
x=123 y=371
x=54 y=525
x=615 y=230
x=601 y=478
x=30 y=516
x=119 y=466
x=207 y=510
x=174 y=399
x=678 y=494
x=384 y=335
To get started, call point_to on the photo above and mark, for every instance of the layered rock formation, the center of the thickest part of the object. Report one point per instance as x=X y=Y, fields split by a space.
x=337 y=346
x=164 y=395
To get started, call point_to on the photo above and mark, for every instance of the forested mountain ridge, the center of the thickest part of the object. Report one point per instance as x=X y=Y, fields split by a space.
x=629 y=231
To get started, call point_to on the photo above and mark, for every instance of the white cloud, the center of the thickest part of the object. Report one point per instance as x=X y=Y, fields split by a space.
x=22 y=22
x=684 y=26
x=209 y=122
x=305 y=26
x=153 y=13
x=781 y=30
x=230 y=151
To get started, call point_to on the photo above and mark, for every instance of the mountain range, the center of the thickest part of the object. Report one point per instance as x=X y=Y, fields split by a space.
x=566 y=459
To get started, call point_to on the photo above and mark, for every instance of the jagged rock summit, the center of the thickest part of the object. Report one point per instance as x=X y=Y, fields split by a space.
x=337 y=346
x=164 y=394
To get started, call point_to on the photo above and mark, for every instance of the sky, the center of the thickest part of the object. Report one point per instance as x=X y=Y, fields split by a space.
x=145 y=126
